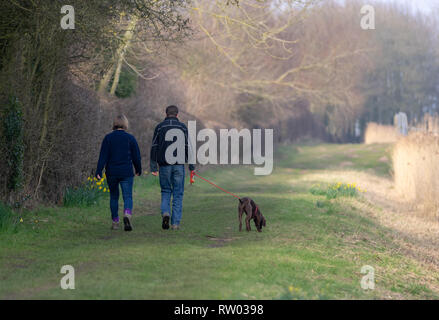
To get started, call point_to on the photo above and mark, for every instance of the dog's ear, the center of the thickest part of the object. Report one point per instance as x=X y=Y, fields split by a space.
x=240 y=200
x=263 y=221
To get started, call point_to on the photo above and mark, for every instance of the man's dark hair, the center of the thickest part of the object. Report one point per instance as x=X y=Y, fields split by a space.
x=172 y=111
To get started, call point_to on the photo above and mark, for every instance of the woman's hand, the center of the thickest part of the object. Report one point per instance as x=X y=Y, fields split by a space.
x=155 y=173
x=99 y=177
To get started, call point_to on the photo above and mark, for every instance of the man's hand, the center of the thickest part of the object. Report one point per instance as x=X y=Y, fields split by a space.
x=155 y=173
x=138 y=174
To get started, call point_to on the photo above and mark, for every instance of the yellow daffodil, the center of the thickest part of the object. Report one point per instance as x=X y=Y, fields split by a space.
x=100 y=188
x=21 y=220
x=105 y=189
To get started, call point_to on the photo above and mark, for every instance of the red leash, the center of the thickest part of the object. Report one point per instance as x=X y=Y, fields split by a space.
x=224 y=190
x=232 y=194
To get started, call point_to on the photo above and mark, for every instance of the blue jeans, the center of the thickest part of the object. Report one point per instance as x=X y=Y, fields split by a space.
x=172 y=184
x=126 y=183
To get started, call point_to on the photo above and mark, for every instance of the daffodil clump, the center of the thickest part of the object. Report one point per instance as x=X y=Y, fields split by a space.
x=294 y=293
x=100 y=185
x=88 y=194
x=336 y=190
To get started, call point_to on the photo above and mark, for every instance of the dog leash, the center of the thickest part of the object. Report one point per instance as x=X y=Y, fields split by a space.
x=208 y=181
x=222 y=189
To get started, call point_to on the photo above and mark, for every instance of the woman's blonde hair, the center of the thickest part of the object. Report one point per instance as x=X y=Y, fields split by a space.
x=120 y=122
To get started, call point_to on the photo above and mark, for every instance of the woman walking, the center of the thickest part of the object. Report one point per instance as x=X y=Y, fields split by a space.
x=119 y=153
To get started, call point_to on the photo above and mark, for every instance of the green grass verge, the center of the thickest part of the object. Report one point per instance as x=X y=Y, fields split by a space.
x=312 y=248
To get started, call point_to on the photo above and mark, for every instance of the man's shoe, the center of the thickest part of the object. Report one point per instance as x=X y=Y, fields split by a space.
x=165 y=222
x=175 y=227
x=115 y=225
x=127 y=222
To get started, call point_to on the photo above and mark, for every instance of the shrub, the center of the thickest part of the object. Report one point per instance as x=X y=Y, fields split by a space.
x=13 y=136
x=8 y=222
x=127 y=84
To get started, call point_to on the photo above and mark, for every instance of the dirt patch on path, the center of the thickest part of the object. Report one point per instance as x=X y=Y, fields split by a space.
x=219 y=241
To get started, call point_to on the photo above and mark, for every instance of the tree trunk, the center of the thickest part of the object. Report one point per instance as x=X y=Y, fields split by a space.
x=46 y=110
x=105 y=80
x=127 y=39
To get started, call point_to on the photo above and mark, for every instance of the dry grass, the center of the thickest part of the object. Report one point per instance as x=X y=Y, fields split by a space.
x=415 y=234
x=416 y=172
x=429 y=124
x=377 y=133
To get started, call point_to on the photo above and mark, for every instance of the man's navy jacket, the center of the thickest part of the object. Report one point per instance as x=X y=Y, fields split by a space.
x=159 y=144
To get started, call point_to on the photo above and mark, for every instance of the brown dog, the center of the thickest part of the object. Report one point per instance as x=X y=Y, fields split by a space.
x=252 y=211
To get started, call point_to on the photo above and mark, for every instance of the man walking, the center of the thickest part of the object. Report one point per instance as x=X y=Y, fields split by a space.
x=171 y=175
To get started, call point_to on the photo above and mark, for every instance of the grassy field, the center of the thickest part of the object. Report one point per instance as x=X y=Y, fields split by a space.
x=312 y=248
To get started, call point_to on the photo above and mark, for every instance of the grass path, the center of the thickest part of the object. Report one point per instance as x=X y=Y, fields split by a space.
x=307 y=251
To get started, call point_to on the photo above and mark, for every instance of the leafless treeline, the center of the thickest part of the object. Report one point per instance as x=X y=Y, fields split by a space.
x=305 y=68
